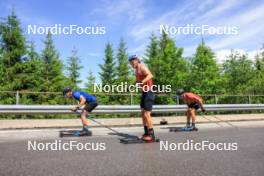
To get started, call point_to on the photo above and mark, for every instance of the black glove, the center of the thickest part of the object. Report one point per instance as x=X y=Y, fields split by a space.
x=74 y=109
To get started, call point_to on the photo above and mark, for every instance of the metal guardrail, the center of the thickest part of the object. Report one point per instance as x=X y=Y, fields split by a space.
x=20 y=96
x=112 y=109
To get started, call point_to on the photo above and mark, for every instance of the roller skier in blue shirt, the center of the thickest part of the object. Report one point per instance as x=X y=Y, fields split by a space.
x=88 y=101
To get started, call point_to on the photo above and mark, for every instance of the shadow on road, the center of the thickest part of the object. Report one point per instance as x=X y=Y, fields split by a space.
x=124 y=135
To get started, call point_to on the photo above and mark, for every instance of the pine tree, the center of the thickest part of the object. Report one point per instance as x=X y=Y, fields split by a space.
x=173 y=70
x=108 y=70
x=32 y=54
x=172 y=64
x=166 y=63
x=13 y=47
x=122 y=63
x=108 y=73
x=205 y=74
x=152 y=57
x=32 y=67
x=123 y=70
x=89 y=85
x=52 y=79
x=73 y=68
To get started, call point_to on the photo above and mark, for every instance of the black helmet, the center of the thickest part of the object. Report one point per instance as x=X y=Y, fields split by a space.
x=66 y=90
x=180 y=92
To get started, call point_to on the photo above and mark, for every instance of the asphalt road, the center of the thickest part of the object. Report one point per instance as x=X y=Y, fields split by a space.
x=136 y=159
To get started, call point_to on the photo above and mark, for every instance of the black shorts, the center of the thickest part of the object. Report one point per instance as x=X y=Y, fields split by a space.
x=194 y=106
x=147 y=100
x=90 y=106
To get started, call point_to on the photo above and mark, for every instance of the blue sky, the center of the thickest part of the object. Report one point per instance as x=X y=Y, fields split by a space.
x=135 y=20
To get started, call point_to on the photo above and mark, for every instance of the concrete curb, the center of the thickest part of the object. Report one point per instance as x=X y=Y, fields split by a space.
x=69 y=123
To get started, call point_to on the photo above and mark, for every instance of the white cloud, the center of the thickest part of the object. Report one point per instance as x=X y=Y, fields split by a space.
x=187 y=13
x=248 y=21
x=143 y=30
x=222 y=13
x=222 y=55
x=120 y=8
x=250 y=27
x=219 y=9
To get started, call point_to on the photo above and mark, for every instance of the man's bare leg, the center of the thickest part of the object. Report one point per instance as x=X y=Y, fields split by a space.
x=85 y=122
x=188 y=114
x=144 y=121
x=193 y=117
x=149 y=124
x=148 y=118
x=192 y=114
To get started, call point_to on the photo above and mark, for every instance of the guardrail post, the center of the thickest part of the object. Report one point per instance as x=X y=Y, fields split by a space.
x=215 y=97
x=17 y=97
x=131 y=99
x=249 y=99
x=178 y=99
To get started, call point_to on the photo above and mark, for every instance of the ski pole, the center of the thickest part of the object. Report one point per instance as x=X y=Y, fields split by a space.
x=211 y=120
x=230 y=124
x=99 y=123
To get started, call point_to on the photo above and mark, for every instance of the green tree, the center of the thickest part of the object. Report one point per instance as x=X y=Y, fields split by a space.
x=173 y=67
x=205 y=73
x=73 y=69
x=12 y=48
x=238 y=71
x=32 y=54
x=122 y=63
x=32 y=67
x=89 y=85
x=257 y=82
x=166 y=63
x=108 y=70
x=53 y=79
x=152 y=57
x=123 y=71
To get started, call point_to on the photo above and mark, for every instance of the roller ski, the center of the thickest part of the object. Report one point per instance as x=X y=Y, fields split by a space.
x=139 y=140
x=183 y=129
x=76 y=133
